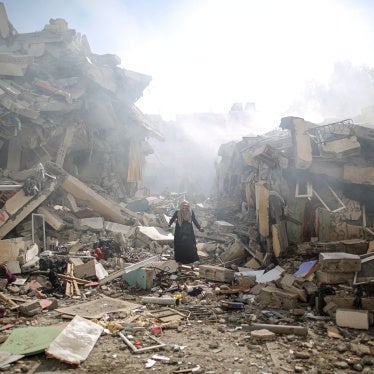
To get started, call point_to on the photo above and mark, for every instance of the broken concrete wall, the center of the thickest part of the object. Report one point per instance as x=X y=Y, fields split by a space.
x=72 y=142
x=318 y=180
x=61 y=102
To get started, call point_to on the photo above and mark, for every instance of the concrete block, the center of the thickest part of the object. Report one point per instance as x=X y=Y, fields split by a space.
x=53 y=219
x=346 y=302
x=330 y=308
x=86 y=270
x=235 y=251
x=216 y=273
x=30 y=266
x=13 y=267
x=310 y=288
x=11 y=249
x=14 y=154
x=334 y=278
x=24 y=206
x=355 y=246
x=107 y=208
x=30 y=309
x=252 y=264
x=340 y=148
x=358 y=174
x=31 y=252
x=72 y=202
x=116 y=227
x=149 y=234
x=223 y=226
x=16 y=202
x=371 y=246
x=287 y=280
x=263 y=335
x=48 y=304
x=339 y=262
x=355 y=319
x=272 y=297
x=301 y=294
x=93 y=224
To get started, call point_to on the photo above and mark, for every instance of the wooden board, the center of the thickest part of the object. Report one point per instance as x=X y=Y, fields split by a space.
x=97 y=308
x=262 y=208
x=168 y=315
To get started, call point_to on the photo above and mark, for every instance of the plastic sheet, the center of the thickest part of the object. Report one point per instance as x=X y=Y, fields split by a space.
x=75 y=342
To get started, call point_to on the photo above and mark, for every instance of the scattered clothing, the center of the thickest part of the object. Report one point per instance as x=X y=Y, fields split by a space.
x=7 y=274
x=99 y=254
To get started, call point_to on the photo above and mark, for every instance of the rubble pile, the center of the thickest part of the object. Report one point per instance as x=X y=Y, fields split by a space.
x=308 y=183
x=62 y=103
x=286 y=256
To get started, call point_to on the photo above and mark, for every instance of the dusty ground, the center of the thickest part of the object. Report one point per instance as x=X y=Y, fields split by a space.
x=217 y=341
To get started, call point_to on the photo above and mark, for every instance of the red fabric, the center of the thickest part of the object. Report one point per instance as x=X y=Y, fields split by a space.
x=10 y=276
x=99 y=254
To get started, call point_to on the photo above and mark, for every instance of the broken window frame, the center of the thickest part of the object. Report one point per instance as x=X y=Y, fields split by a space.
x=364 y=280
x=135 y=349
x=309 y=189
x=336 y=197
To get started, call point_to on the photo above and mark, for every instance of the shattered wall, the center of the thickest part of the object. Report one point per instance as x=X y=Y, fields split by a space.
x=60 y=102
x=304 y=183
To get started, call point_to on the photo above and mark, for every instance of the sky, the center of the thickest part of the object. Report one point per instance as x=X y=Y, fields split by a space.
x=204 y=55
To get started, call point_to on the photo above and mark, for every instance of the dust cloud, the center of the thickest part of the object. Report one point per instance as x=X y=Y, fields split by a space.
x=186 y=161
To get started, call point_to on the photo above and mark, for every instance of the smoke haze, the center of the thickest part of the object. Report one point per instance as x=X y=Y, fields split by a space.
x=311 y=59
x=204 y=55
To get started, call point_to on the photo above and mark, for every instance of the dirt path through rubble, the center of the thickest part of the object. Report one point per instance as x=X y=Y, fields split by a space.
x=217 y=342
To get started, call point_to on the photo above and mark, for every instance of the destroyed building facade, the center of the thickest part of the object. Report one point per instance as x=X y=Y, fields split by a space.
x=303 y=183
x=62 y=103
x=69 y=120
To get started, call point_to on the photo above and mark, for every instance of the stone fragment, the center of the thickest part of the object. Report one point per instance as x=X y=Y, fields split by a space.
x=263 y=335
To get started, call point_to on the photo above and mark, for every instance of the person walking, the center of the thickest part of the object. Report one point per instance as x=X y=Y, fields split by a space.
x=185 y=251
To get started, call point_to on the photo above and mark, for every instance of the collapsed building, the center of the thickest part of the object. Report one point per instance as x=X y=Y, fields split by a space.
x=72 y=145
x=66 y=112
x=305 y=183
x=64 y=104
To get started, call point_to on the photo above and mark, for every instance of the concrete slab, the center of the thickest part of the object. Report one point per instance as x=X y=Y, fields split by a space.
x=157 y=234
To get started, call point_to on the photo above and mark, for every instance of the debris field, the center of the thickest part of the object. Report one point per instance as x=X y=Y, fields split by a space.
x=88 y=280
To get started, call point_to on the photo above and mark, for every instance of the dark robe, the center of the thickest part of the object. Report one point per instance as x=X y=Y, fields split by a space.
x=185 y=250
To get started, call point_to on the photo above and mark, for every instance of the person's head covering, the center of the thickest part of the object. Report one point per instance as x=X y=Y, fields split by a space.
x=185 y=202
x=184 y=214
